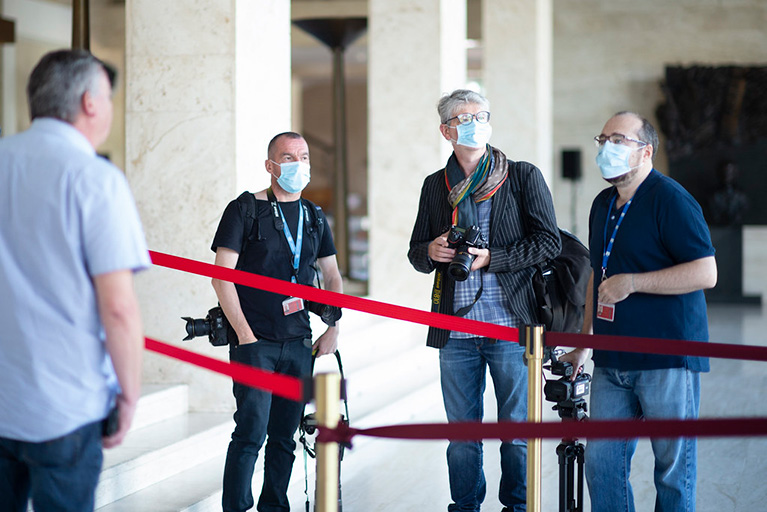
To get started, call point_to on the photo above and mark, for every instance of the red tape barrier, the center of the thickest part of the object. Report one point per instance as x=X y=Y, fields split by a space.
x=656 y=346
x=292 y=388
x=726 y=427
x=552 y=339
x=335 y=299
x=279 y=384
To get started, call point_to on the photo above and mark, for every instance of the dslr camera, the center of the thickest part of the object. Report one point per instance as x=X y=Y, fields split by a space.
x=461 y=239
x=329 y=314
x=567 y=394
x=215 y=326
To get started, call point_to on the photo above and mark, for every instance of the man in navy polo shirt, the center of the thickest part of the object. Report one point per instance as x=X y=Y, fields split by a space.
x=652 y=257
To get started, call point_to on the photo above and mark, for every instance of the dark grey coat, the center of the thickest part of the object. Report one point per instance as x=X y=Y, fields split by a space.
x=516 y=246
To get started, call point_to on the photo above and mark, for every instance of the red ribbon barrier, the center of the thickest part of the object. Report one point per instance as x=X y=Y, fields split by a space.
x=292 y=388
x=453 y=323
x=656 y=346
x=335 y=299
x=724 y=427
x=277 y=383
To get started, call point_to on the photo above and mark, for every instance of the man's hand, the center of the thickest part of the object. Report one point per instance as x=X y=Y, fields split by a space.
x=125 y=412
x=439 y=251
x=482 y=258
x=327 y=343
x=616 y=288
x=577 y=358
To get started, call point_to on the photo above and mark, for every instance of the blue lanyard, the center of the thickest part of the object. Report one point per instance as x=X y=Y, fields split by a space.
x=608 y=246
x=295 y=247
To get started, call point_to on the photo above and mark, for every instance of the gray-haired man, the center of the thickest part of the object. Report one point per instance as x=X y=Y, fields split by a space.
x=70 y=240
x=477 y=188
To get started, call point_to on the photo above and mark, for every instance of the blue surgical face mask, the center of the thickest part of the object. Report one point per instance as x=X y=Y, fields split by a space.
x=474 y=134
x=613 y=159
x=294 y=176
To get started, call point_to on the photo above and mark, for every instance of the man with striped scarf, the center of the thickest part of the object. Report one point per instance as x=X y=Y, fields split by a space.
x=511 y=205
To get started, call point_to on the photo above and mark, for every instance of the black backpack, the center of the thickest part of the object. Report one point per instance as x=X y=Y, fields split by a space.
x=560 y=284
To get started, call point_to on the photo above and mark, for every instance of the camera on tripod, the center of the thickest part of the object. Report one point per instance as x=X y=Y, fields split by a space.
x=461 y=239
x=566 y=393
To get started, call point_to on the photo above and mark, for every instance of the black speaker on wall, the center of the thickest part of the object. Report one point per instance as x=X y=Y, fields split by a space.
x=571 y=164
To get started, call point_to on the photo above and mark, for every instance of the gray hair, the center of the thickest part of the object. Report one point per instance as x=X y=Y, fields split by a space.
x=58 y=82
x=273 y=143
x=450 y=103
x=646 y=133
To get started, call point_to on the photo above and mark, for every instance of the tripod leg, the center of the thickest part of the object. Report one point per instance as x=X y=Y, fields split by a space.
x=579 y=452
x=566 y=476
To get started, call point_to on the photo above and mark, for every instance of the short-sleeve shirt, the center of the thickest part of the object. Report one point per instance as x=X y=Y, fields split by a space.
x=66 y=215
x=267 y=253
x=663 y=227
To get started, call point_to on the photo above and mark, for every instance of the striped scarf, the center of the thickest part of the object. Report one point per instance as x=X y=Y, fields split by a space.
x=481 y=184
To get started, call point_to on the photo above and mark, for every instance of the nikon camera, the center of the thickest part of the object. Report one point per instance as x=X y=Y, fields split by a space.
x=461 y=239
x=219 y=332
x=215 y=326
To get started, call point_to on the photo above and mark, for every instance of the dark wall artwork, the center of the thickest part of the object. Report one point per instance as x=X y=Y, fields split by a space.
x=715 y=123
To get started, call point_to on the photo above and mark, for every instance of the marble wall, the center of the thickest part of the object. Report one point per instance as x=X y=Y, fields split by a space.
x=202 y=101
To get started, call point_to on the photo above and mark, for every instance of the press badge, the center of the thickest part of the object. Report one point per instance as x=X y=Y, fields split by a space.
x=606 y=312
x=292 y=305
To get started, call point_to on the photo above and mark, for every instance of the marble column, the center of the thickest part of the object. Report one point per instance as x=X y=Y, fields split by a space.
x=517 y=42
x=416 y=53
x=207 y=86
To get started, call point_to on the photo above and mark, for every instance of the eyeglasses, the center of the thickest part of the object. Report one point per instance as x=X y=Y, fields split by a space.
x=481 y=117
x=615 y=138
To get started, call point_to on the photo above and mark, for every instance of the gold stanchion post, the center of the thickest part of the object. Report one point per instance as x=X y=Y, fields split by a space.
x=327 y=388
x=533 y=336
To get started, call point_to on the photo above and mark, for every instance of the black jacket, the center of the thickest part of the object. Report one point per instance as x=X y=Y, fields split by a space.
x=516 y=246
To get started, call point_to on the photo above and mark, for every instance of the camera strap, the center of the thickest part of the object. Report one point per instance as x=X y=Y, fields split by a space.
x=465 y=310
x=308 y=450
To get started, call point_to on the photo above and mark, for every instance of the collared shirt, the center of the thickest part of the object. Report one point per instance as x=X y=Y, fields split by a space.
x=66 y=215
x=492 y=306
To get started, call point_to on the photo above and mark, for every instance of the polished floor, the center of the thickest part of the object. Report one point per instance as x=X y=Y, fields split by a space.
x=388 y=476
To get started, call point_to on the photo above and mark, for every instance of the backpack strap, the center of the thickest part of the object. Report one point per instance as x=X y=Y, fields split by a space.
x=247 y=202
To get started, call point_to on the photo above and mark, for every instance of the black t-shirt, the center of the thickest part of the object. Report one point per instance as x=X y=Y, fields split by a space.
x=269 y=254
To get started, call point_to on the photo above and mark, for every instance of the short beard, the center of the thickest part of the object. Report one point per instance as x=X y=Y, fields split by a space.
x=623 y=178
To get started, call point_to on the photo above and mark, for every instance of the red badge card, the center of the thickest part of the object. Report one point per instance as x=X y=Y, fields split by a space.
x=606 y=312
x=292 y=305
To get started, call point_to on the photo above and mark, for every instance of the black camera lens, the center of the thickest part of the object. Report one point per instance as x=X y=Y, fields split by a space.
x=460 y=267
x=196 y=327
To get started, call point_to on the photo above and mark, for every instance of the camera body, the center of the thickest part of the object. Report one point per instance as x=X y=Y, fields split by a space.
x=461 y=239
x=215 y=326
x=329 y=314
x=567 y=394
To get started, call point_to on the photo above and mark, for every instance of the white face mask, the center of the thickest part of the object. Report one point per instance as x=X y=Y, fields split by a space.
x=613 y=159
x=474 y=134
x=294 y=176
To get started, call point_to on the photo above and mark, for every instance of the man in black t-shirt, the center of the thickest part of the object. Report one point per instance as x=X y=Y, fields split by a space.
x=289 y=239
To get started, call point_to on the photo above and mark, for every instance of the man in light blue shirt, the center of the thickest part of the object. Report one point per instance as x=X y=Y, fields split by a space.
x=71 y=337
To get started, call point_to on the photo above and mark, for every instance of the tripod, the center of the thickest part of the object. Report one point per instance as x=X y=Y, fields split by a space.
x=570 y=452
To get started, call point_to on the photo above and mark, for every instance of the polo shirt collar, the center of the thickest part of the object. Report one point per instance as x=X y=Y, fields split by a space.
x=63 y=129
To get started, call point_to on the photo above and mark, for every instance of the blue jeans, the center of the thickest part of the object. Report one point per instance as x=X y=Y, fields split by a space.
x=58 y=475
x=463 y=366
x=652 y=394
x=260 y=414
